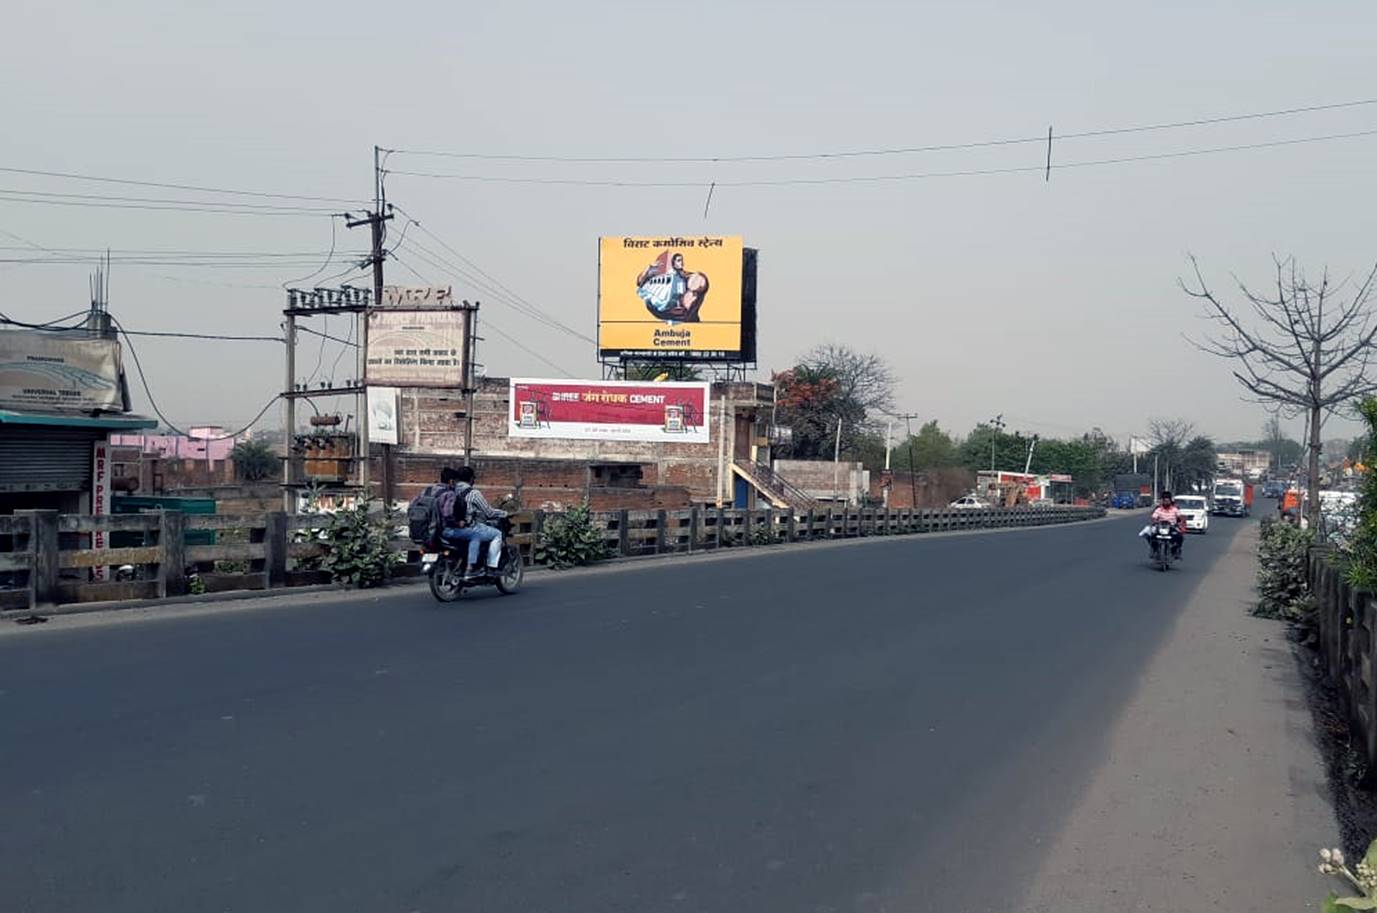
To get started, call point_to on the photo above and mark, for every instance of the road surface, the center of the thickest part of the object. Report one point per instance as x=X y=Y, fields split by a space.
x=902 y=724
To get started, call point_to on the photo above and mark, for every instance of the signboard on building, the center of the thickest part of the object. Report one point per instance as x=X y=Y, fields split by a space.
x=382 y=415
x=416 y=348
x=100 y=500
x=69 y=371
x=417 y=296
x=609 y=410
x=674 y=298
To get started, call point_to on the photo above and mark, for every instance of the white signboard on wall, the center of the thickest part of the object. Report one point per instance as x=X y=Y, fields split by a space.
x=68 y=371
x=382 y=415
x=416 y=348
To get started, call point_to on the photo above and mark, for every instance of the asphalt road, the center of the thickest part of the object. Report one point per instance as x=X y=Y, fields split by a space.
x=898 y=724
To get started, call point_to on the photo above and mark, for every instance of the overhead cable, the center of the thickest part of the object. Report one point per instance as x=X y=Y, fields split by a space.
x=898 y=150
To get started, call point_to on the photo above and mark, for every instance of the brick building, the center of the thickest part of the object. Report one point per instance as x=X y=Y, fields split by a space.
x=611 y=474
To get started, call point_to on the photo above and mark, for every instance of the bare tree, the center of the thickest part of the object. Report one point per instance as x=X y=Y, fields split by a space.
x=1170 y=432
x=1306 y=349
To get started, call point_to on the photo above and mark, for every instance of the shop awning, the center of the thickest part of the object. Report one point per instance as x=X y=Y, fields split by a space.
x=110 y=422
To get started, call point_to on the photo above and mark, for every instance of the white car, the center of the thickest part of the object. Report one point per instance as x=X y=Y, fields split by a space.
x=1195 y=510
x=969 y=502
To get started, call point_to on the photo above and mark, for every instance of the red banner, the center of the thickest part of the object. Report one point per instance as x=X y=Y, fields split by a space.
x=609 y=410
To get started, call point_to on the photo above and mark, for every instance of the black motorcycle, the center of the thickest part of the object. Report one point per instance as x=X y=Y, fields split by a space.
x=1164 y=547
x=447 y=565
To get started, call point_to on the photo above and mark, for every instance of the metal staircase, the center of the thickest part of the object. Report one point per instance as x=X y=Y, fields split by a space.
x=781 y=492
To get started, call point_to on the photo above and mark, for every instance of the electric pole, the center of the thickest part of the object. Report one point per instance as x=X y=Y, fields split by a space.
x=996 y=426
x=376 y=222
x=908 y=418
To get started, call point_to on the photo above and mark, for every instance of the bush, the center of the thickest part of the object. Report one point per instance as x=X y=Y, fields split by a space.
x=254 y=461
x=1282 y=578
x=570 y=539
x=359 y=548
x=1361 y=551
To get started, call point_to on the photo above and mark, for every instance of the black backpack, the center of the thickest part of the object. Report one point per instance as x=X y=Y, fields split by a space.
x=423 y=516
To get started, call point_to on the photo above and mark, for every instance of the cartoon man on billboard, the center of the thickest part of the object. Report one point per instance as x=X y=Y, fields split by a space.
x=669 y=291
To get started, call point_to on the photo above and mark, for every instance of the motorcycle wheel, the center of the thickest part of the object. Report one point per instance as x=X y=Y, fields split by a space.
x=512 y=572
x=446 y=585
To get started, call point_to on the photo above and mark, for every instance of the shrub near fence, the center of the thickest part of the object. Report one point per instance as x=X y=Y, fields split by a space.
x=43 y=561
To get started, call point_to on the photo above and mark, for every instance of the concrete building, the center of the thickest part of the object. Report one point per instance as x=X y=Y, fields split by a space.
x=1252 y=464
x=560 y=470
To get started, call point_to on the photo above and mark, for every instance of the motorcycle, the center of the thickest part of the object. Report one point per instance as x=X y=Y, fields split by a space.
x=1164 y=549
x=447 y=565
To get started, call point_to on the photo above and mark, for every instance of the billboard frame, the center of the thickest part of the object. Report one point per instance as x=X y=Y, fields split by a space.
x=743 y=358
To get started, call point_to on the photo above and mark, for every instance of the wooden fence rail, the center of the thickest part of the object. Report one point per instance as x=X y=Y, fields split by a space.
x=48 y=559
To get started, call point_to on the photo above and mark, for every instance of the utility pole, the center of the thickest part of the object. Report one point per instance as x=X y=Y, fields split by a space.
x=908 y=418
x=376 y=221
x=997 y=426
x=1028 y=464
x=836 y=464
x=889 y=431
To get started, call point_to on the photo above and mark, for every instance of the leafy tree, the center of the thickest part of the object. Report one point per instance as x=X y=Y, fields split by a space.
x=932 y=448
x=831 y=388
x=254 y=461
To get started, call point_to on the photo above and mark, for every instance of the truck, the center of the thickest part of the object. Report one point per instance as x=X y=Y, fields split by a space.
x=1232 y=497
x=1132 y=489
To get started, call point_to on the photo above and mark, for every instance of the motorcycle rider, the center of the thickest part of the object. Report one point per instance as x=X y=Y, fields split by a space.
x=476 y=528
x=1167 y=512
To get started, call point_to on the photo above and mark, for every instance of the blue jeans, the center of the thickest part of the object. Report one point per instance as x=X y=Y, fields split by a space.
x=475 y=536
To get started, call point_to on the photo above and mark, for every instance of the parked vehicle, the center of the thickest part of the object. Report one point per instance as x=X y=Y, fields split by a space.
x=1195 y=510
x=1163 y=550
x=1232 y=497
x=1273 y=489
x=968 y=502
x=446 y=567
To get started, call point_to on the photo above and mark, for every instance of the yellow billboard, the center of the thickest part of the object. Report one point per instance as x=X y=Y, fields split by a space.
x=670 y=298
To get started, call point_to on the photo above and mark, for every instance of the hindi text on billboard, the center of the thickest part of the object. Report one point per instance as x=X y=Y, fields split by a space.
x=609 y=411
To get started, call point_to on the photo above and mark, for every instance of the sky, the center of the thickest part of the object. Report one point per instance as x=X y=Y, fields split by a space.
x=1052 y=302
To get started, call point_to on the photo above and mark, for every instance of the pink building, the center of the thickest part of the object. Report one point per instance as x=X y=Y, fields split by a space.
x=200 y=443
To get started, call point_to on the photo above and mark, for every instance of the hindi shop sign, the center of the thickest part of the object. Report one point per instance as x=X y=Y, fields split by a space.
x=416 y=348
x=609 y=411
x=68 y=371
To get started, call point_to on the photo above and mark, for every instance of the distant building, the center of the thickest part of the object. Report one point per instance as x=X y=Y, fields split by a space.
x=201 y=442
x=1252 y=464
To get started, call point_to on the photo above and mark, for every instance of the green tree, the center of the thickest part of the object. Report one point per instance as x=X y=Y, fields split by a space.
x=832 y=389
x=254 y=461
x=1010 y=450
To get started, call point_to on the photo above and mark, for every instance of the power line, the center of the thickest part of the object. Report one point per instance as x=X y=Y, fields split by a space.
x=531 y=308
x=223 y=209
x=900 y=150
x=496 y=329
x=193 y=187
x=881 y=178
x=143 y=379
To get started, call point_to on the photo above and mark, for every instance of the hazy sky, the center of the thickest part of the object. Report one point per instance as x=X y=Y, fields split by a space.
x=1053 y=303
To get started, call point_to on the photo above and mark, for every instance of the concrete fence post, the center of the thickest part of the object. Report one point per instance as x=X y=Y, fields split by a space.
x=46 y=561
x=694 y=521
x=717 y=530
x=770 y=523
x=623 y=533
x=791 y=526
x=274 y=549
x=171 y=553
x=537 y=528
x=661 y=531
x=748 y=517
x=809 y=519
